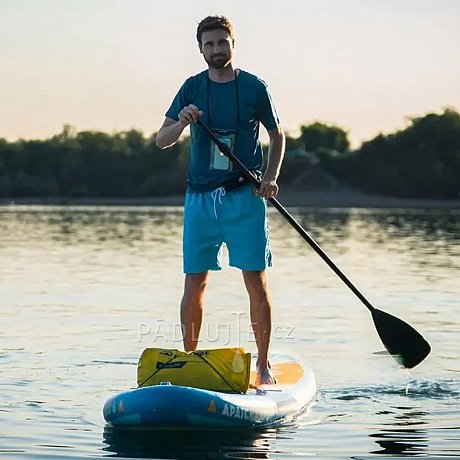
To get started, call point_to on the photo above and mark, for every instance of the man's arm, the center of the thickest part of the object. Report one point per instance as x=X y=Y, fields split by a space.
x=268 y=187
x=169 y=133
x=171 y=129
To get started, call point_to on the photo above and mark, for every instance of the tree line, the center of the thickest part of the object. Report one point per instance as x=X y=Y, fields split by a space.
x=422 y=160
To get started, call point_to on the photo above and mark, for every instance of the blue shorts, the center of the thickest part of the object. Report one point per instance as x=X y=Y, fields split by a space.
x=237 y=218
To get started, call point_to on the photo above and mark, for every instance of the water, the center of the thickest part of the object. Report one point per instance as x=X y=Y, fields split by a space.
x=83 y=290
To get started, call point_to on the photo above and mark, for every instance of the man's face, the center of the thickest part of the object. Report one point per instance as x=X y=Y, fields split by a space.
x=217 y=48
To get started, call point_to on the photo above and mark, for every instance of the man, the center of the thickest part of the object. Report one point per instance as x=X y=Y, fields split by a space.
x=220 y=206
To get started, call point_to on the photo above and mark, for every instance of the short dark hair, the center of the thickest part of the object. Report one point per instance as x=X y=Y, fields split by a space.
x=212 y=23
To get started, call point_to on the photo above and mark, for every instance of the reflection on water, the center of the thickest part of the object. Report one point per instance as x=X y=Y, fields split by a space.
x=76 y=283
x=73 y=226
x=382 y=227
x=407 y=433
x=376 y=224
x=189 y=444
x=405 y=424
x=394 y=442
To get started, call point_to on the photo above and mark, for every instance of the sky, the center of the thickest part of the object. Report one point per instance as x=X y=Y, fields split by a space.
x=113 y=65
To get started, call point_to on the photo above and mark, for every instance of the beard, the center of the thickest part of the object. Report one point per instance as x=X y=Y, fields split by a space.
x=218 y=61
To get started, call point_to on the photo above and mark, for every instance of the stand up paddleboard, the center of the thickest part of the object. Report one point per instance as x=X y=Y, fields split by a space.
x=173 y=406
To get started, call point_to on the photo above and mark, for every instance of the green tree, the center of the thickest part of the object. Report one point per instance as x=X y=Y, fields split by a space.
x=422 y=160
x=293 y=143
x=135 y=142
x=319 y=136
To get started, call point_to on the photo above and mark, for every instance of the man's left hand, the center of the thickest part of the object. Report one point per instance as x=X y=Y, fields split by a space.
x=268 y=188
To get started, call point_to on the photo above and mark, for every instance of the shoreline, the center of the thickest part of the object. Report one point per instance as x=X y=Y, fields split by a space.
x=339 y=198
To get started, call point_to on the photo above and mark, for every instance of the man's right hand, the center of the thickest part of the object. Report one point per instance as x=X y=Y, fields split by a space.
x=171 y=129
x=189 y=114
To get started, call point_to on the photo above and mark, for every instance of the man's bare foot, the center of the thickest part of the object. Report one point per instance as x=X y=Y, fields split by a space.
x=265 y=376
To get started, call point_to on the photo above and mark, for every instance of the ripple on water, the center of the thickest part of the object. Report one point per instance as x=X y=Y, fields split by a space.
x=415 y=389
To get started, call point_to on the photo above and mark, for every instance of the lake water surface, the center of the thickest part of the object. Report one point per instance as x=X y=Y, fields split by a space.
x=83 y=290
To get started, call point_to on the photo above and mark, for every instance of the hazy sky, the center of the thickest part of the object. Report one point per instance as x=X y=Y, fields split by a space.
x=113 y=65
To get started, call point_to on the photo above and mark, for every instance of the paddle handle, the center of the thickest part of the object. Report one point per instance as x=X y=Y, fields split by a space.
x=225 y=149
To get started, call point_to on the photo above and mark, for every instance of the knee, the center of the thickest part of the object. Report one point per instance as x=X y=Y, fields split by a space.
x=256 y=285
x=195 y=283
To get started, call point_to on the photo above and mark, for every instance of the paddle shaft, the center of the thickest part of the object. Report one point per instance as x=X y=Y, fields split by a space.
x=225 y=149
x=317 y=248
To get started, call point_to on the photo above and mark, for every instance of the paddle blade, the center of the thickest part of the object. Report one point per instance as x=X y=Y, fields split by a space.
x=401 y=340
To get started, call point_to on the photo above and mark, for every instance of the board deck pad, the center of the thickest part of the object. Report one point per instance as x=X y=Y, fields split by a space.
x=285 y=373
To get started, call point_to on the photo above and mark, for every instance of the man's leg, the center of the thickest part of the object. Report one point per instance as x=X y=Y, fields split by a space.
x=191 y=308
x=261 y=320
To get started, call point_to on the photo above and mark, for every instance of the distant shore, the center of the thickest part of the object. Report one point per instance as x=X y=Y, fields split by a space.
x=338 y=198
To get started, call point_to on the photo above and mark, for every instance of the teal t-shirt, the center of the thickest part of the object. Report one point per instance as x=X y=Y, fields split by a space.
x=234 y=111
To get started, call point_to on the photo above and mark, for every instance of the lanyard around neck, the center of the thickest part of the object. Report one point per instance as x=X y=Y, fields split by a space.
x=237 y=93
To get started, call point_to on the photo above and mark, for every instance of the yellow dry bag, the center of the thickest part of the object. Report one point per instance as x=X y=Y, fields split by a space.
x=223 y=369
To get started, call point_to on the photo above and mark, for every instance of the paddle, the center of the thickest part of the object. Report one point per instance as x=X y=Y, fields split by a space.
x=401 y=340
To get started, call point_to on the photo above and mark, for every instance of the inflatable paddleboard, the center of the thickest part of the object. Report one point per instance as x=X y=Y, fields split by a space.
x=173 y=406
